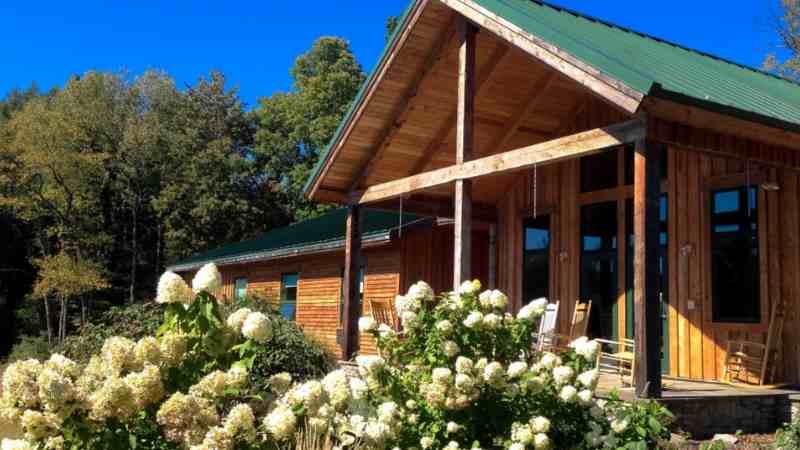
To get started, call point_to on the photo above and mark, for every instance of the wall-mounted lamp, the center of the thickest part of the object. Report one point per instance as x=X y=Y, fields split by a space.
x=770 y=186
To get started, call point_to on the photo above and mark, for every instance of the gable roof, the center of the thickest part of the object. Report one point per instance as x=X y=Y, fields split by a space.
x=323 y=233
x=642 y=63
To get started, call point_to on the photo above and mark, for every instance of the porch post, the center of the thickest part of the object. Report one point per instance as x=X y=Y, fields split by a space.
x=462 y=245
x=646 y=278
x=350 y=291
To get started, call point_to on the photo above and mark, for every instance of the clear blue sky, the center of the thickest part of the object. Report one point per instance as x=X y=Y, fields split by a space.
x=255 y=42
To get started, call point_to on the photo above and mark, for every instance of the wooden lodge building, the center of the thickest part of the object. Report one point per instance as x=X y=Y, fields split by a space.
x=659 y=182
x=299 y=268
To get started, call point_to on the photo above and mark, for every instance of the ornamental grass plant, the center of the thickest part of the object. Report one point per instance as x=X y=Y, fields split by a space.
x=462 y=375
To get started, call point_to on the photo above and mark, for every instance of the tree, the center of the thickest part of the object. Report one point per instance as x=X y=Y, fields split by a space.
x=65 y=278
x=787 y=63
x=391 y=25
x=294 y=127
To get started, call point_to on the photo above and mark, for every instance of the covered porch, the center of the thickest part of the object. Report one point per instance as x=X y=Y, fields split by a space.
x=593 y=189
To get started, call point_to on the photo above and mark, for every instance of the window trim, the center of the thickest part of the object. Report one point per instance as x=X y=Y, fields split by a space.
x=732 y=181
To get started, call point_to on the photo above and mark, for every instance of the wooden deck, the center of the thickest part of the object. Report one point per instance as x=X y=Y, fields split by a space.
x=705 y=408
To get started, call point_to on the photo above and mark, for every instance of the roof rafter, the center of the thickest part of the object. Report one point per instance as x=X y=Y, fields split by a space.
x=449 y=124
x=407 y=104
x=534 y=99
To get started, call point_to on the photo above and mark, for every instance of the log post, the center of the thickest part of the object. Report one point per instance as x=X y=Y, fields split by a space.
x=462 y=246
x=350 y=291
x=646 y=279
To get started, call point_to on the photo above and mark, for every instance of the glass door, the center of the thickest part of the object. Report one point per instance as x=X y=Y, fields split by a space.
x=598 y=267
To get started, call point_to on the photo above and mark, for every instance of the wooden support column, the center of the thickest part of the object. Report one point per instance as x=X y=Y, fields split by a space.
x=647 y=316
x=350 y=291
x=464 y=142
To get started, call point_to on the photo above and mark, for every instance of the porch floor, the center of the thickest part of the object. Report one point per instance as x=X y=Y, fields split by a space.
x=705 y=408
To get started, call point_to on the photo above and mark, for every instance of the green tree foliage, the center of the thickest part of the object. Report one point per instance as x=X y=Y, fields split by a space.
x=391 y=25
x=294 y=127
x=787 y=63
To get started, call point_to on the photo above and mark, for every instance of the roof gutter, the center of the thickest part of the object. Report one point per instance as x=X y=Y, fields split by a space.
x=374 y=240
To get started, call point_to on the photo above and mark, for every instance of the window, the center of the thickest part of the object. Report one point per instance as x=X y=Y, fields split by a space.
x=735 y=288
x=599 y=171
x=240 y=289
x=360 y=292
x=289 y=295
x=536 y=259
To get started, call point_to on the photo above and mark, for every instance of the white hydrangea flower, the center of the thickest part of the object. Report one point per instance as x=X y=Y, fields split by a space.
x=237 y=318
x=280 y=382
x=493 y=372
x=281 y=422
x=517 y=369
x=498 y=300
x=470 y=287
x=541 y=441
x=464 y=364
x=236 y=377
x=410 y=320
x=426 y=442
x=585 y=397
x=619 y=425
x=370 y=363
x=517 y=446
x=451 y=349
x=563 y=375
x=367 y=324
x=492 y=321
x=173 y=348
x=540 y=424
x=442 y=375
x=173 y=289
x=387 y=412
x=586 y=348
x=444 y=326
x=453 y=427
x=485 y=300
x=474 y=319
x=589 y=379
x=358 y=388
x=16 y=444
x=420 y=291
x=539 y=306
x=257 y=327
x=521 y=433
x=207 y=279
x=529 y=312
x=337 y=386
x=146 y=386
x=549 y=360
x=568 y=393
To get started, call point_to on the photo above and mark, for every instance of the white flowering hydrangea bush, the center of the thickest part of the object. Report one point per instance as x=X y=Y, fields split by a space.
x=462 y=375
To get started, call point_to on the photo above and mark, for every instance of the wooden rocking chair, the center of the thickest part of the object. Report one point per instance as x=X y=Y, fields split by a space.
x=383 y=313
x=617 y=358
x=753 y=362
x=557 y=342
x=547 y=327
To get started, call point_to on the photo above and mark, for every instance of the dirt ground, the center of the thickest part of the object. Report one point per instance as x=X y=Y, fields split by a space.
x=746 y=442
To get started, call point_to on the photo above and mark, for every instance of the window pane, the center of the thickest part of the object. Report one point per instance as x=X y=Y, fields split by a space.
x=734 y=259
x=599 y=171
x=598 y=264
x=536 y=262
x=288 y=295
x=240 y=289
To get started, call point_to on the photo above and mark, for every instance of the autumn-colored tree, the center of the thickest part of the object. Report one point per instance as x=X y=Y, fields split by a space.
x=65 y=278
x=787 y=62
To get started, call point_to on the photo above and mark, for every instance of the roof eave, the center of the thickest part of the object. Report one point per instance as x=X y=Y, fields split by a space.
x=374 y=240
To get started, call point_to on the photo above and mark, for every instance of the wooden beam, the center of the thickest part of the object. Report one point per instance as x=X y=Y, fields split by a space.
x=407 y=103
x=556 y=150
x=350 y=290
x=447 y=126
x=534 y=98
x=646 y=278
x=465 y=130
x=372 y=86
x=613 y=91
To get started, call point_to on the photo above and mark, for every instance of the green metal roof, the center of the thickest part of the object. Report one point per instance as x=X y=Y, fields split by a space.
x=326 y=232
x=646 y=64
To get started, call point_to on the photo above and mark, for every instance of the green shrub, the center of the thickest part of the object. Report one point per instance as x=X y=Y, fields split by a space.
x=131 y=321
x=642 y=424
x=290 y=350
x=28 y=347
x=788 y=437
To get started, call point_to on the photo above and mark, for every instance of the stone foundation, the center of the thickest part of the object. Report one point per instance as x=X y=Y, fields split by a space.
x=703 y=417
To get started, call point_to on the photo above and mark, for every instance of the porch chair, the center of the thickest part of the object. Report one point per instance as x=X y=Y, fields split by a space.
x=753 y=362
x=547 y=327
x=557 y=342
x=617 y=358
x=383 y=313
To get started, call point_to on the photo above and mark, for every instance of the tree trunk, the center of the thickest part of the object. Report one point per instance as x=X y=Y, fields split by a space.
x=48 y=321
x=63 y=324
x=134 y=251
x=158 y=250
x=83 y=312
